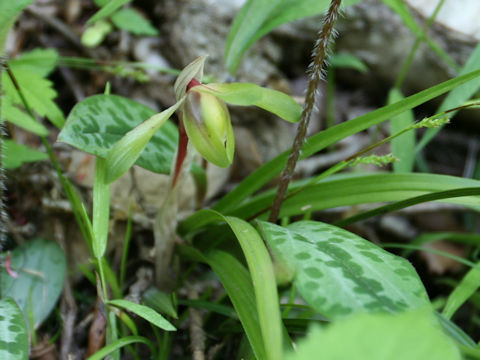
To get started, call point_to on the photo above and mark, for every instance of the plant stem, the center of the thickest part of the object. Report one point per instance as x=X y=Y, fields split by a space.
x=316 y=68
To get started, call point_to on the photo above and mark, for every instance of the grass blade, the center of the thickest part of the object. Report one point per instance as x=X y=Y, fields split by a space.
x=467 y=287
x=127 y=340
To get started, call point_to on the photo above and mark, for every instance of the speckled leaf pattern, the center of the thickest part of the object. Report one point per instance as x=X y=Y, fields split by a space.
x=339 y=273
x=40 y=265
x=13 y=332
x=97 y=123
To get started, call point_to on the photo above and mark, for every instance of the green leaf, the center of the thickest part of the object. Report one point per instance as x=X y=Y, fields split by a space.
x=357 y=188
x=131 y=20
x=10 y=11
x=339 y=273
x=14 y=155
x=107 y=10
x=261 y=271
x=38 y=92
x=247 y=94
x=194 y=70
x=259 y=17
x=97 y=123
x=39 y=61
x=458 y=95
x=144 y=312
x=320 y=141
x=403 y=146
x=129 y=148
x=238 y=284
x=403 y=11
x=467 y=287
x=95 y=34
x=101 y=209
x=41 y=267
x=124 y=341
x=407 y=336
x=18 y=117
x=13 y=332
x=344 y=60
x=159 y=301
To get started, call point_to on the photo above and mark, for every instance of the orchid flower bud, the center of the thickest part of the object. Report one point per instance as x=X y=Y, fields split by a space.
x=208 y=126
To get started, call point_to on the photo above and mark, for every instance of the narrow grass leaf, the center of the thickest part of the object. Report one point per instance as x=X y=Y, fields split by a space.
x=125 y=152
x=467 y=287
x=267 y=172
x=456 y=333
x=247 y=94
x=357 y=188
x=159 y=301
x=403 y=146
x=41 y=267
x=13 y=331
x=238 y=284
x=124 y=341
x=457 y=96
x=144 y=312
x=439 y=195
x=410 y=335
x=259 y=17
x=97 y=123
x=338 y=273
x=101 y=209
x=107 y=10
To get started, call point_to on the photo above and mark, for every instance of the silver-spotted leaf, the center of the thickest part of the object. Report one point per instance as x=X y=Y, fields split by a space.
x=97 y=123
x=339 y=273
x=41 y=266
x=13 y=332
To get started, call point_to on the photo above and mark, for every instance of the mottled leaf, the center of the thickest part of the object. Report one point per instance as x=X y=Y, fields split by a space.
x=13 y=332
x=41 y=267
x=97 y=123
x=339 y=273
x=407 y=336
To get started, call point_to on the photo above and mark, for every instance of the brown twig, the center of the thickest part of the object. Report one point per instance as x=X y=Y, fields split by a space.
x=197 y=335
x=316 y=75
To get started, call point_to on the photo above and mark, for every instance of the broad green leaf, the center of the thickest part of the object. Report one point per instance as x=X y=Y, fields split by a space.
x=39 y=61
x=318 y=142
x=9 y=10
x=259 y=17
x=457 y=96
x=462 y=292
x=130 y=20
x=14 y=155
x=20 y=118
x=144 y=312
x=247 y=94
x=38 y=92
x=129 y=148
x=118 y=344
x=345 y=60
x=338 y=273
x=403 y=146
x=107 y=10
x=97 y=123
x=13 y=331
x=238 y=284
x=413 y=335
x=101 y=209
x=358 y=188
x=41 y=267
